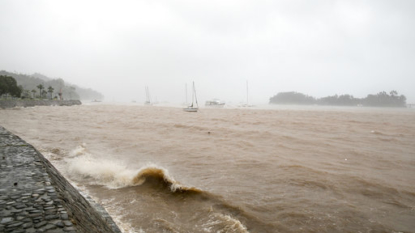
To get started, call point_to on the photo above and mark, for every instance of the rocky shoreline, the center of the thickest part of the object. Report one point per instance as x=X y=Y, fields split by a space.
x=32 y=103
x=35 y=197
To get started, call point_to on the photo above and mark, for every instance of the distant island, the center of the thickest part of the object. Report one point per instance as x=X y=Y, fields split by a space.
x=38 y=86
x=382 y=99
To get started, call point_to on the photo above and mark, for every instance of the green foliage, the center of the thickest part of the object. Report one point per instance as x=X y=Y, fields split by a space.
x=8 y=85
x=40 y=87
x=34 y=93
x=382 y=99
x=31 y=82
x=342 y=100
x=292 y=98
x=44 y=93
x=50 y=90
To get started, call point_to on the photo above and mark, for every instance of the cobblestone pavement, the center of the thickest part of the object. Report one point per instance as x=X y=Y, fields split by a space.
x=29 y=201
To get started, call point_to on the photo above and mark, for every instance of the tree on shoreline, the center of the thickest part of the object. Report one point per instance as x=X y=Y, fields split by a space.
x=44 y=92
x=382 y=99
x=292 y=98
x=40 y=87
x=34 y=93
x=342 y=100
x=50 y=90
x=8 y=85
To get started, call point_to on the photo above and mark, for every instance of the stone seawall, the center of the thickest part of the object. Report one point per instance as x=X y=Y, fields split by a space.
x=35 y=197
x=32 y=103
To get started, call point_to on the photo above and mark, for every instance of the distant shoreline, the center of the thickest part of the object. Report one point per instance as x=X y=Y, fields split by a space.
x=31 y=103
x=351 y=106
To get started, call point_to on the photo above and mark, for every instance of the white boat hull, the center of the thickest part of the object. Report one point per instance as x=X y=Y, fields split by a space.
x=215 y=105
x=190 y=109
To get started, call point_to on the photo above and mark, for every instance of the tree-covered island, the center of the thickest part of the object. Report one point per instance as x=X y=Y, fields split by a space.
x=382 y=99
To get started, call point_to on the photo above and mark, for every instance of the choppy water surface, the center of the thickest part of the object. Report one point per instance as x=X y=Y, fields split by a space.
x=159 y=169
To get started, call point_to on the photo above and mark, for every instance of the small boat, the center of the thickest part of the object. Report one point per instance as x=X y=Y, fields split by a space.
x=194 y=106
x=214 y=103
x=148 y=97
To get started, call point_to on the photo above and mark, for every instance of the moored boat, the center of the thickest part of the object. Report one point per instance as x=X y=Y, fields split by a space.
x=194 y=106
x=214 y=103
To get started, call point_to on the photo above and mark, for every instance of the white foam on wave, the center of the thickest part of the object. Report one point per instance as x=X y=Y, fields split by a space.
x=118 y=213
x=82 y=165
x=222 y=223
x=78 y=151
x=101 y=172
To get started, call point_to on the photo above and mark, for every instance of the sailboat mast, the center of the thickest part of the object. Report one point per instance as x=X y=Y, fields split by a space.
x=192 y=108
x=194 y=92
x=149 y=96
x=246 y=91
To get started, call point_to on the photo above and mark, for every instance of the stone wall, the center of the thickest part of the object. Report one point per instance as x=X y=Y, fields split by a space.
x=31 y=103
x=35 y=197
x=89 y=216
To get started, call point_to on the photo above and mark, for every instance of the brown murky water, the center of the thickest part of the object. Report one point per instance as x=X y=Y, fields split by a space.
x=159 y=169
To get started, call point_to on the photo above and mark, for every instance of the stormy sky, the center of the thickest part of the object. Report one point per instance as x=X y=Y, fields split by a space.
x=317 y=47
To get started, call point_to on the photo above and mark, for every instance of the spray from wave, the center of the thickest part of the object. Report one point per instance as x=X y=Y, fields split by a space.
x=113 y=174
x=84 y=166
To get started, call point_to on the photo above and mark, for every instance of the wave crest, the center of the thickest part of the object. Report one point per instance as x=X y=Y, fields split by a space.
x=155 y=174
x=82 y=165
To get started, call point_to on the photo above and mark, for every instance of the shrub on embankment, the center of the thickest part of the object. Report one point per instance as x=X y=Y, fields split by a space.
x=32 y=103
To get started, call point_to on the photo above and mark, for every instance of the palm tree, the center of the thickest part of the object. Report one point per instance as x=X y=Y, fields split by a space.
x=44 y=93
x=34 y=92
x=26 y=94
x=40 y=87
x=50 y=90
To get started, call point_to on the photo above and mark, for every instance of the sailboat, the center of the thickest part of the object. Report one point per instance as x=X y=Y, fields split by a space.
x=247 y=98
x=148 y=97
x=194 y=106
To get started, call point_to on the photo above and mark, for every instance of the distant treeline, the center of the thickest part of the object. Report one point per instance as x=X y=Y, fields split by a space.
x=382 y=99
x=41 y=86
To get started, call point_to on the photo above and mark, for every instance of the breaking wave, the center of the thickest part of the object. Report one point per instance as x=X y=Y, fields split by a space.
x=222 y=217
x=158 y=175
x=82 y=165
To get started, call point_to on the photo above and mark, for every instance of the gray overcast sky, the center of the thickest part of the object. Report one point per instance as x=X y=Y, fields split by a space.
x=315 y=47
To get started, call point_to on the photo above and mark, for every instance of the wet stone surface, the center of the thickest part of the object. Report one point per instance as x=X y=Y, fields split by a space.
x=29 y=202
